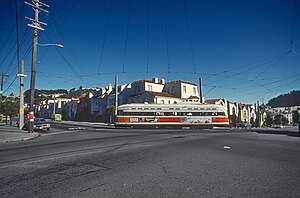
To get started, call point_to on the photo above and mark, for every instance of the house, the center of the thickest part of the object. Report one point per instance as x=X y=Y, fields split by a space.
x=99 y=103
x=219 y=101
x=84 y=107
x=70 y=109
x=161 y=92
x=186 y=91
x=47 y=108
x=154 y=97
x=124 y=91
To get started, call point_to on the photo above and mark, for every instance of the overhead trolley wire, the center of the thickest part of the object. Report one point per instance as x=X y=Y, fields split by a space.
x=166 y=32
x=66 y=61
x=66 y=12
x=266 y=61
x=189 y=35
x=281 y=58
x=105 y=35
x=148 y=29
x=17 y=33
x=293 y=25
x=126 y=36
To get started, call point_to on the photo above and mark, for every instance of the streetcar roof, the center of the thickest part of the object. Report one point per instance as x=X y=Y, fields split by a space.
x=170 y=107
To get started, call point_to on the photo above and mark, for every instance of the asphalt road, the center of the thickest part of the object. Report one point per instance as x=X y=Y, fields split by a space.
x=98 y=162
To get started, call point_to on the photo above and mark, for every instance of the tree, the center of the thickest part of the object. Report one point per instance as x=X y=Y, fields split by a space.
x=278 y=119
x=295 y=116
x=252 y=122
x=233 y=120
x=269 y=120
x=110 y=111
x=9 y=108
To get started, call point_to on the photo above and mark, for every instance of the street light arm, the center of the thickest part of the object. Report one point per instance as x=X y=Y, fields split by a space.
x=51 y=44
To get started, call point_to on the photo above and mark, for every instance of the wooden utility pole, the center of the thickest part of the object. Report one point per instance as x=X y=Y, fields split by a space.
x=36 y=25
x=2 y=82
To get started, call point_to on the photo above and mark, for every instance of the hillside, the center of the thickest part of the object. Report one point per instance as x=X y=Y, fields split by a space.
x=286 y=100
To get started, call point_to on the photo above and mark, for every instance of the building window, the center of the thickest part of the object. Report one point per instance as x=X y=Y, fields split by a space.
x=184 y=89
x=194 y=89
x=162 y=102
x=149 y=87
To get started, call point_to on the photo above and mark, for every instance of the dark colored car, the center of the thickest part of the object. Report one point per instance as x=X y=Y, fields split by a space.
x=246 y=125
x=39 y=124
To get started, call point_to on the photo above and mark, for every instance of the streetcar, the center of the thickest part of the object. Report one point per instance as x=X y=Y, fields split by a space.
x=141 y=115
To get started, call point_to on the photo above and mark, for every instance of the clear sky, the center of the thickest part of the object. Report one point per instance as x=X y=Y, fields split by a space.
x=240 y=48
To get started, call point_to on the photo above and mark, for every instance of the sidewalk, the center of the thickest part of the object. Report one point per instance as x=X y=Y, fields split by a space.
x=12 y=133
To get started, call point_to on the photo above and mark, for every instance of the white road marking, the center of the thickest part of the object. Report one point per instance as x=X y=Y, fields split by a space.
x=227 y=147
x=58 y=133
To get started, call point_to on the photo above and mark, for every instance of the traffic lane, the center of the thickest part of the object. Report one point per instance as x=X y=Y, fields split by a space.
x=66 y=125
x=64 y=142
x=214 y=165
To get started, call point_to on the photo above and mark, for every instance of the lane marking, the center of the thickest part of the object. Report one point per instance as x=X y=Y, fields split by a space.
x=58 y=133
x=226 y=147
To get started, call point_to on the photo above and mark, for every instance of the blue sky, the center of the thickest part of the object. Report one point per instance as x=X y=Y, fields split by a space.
x=240 y=48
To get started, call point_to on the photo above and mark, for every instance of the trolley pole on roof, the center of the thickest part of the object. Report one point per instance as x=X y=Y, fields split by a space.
x=201 y=91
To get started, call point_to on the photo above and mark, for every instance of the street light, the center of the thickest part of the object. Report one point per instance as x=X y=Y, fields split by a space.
x=33 y=67
x=51 y=44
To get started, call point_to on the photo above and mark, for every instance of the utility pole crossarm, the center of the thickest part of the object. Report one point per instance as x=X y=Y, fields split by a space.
x=37 y=6
x=35 y=20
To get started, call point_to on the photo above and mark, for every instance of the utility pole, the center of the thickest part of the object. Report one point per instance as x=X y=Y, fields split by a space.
x=53 y=107
x=201 y=91
x=2 y=84
x=21 y=112
x=258 y=115
x=116 y=99
x=36 y=25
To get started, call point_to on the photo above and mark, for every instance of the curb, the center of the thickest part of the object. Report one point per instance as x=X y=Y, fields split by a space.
x=30 y=138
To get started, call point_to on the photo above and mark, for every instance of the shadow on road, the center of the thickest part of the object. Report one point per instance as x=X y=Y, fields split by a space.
x=278 y=132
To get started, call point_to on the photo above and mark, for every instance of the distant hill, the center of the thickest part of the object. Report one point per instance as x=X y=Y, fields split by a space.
x=42 y=94
x=286 y=100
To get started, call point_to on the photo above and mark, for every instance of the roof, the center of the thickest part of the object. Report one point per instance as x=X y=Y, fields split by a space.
x=161 y=94
x=212 y=101
x=193 y=97
x=180 y=81
x=149 y=81
x=155 y=94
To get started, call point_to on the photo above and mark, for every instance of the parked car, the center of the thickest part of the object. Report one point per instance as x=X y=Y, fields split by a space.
x=57 y=117
x=277 y=126
x=39 y=124
x=246 y=125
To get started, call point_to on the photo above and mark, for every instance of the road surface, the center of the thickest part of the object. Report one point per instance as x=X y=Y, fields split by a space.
x=92 y=161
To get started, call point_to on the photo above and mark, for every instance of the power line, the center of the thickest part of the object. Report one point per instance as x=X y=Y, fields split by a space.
x=166 y=32
x=189 y=35
x=105 y=35
x=293 y=24
x=17 y=33
x=148 y=28
x=126 y=37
